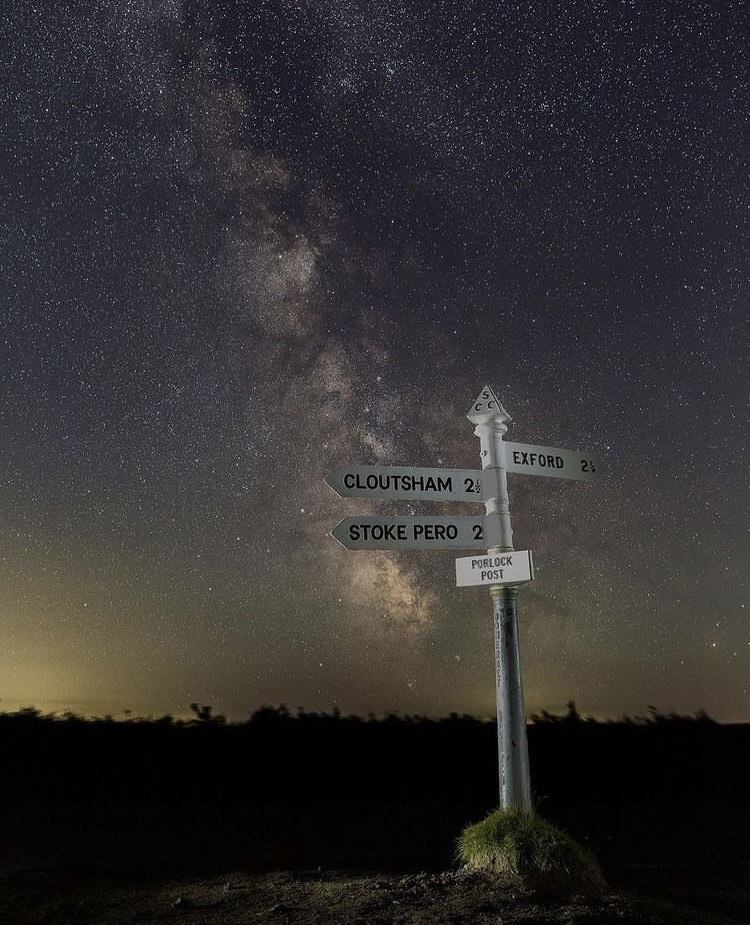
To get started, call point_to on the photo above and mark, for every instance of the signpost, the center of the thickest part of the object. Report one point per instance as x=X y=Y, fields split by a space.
x=502 y=568
x=491 y=421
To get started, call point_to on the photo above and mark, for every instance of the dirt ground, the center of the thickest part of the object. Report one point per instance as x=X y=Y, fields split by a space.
x=354 y=865
x=320 y=897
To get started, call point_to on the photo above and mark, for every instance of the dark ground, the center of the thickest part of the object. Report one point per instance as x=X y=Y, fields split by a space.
x=343 y=865
x=110 y=825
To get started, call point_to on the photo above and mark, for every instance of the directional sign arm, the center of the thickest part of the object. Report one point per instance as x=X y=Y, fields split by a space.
x=411 y=532
x=406 y=483
x=551 y=461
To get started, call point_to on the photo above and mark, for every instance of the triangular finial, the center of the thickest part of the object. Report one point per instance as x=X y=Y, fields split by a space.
x=487 y=407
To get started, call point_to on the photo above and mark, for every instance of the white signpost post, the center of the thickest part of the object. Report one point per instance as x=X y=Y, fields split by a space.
x=502 y=567
x=491 y=421
x=498 y=458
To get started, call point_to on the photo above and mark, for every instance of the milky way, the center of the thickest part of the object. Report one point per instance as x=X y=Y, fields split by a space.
x=243 y=244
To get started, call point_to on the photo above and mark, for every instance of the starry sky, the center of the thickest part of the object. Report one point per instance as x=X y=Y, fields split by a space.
x=243 y=243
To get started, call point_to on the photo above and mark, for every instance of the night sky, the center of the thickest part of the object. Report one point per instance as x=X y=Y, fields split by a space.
x=244 y=243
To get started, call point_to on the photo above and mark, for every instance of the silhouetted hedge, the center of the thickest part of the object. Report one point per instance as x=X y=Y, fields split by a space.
x=277 y=755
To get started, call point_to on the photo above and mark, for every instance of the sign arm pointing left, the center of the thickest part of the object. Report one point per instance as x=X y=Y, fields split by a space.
x=406 y=483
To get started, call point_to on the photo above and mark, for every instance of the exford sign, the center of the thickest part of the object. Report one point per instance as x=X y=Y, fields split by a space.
x=525 y=459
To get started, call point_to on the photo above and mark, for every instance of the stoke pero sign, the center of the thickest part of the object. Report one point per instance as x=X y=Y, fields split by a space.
x=410 y=532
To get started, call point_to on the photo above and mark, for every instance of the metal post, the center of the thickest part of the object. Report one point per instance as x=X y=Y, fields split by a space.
x=513 y=752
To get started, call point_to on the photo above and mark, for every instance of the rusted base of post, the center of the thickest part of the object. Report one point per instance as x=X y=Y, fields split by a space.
x=513 y=750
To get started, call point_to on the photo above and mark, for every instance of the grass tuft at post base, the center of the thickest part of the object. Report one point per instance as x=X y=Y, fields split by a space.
x=524 y=848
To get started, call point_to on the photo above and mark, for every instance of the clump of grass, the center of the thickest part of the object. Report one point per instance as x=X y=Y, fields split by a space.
x=525 y=849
